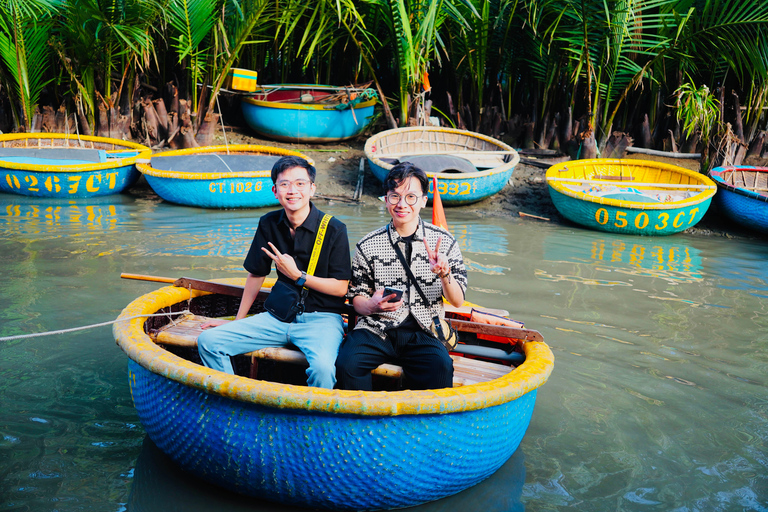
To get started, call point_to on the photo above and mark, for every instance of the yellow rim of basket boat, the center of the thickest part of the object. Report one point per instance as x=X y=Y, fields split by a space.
x=503 y=167
x=131 y=337
x=78 y=140
x=303 y=106
x=572 y=166
x=235 y=148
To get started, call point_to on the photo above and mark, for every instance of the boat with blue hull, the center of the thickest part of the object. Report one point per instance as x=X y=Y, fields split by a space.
x=67 y=166
x=309 y=112
x=234 y=176
x=628 y=196
x=742 y=195
x=329 y=449
x=469 y=166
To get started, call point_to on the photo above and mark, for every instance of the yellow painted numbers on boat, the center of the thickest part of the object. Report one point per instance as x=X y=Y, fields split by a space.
x=454 y=188
x=642 y=219
x=53 y=183
x=235 y=187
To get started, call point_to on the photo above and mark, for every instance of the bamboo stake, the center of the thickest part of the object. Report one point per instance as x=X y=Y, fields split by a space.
x=612 y=182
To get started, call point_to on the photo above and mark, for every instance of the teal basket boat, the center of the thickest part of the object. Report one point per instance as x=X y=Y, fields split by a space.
x=329 y=449
x=234 y=176
x=636 y=197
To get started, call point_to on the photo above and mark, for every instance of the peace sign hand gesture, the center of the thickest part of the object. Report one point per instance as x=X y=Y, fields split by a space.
x=284 y=263
x=438 y=262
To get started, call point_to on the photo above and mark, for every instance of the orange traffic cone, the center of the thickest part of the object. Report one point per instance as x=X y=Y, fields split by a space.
x=438 y=214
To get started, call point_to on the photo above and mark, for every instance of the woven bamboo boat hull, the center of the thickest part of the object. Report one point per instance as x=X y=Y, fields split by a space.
x=67 y=166
x=634 y=197
x=281 y=116
x=235 y=176
x=742 y=195
x=330 y=449
x=455 y=189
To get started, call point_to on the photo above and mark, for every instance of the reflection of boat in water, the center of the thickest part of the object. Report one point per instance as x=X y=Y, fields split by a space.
x=469 y=166
x=67 y=166
x=235 y=176
x=159 y=485
x=332 y=449
x=309 y=112
x=633 y=197
x=742 y=195
x=51 y=218
x=663 y=258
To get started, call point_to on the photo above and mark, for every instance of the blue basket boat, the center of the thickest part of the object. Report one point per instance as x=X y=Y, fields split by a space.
x=636 y=197
x=330 y=449
x=67 y=166
x=469 y=166
x=235 y=176
x=743 y=195
x=308 y=112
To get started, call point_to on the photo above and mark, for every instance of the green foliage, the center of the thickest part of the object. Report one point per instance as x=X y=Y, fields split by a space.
x=697 y=108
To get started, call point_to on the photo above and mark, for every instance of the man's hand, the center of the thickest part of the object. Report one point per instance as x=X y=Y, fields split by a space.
x=378 y=303
x=438 y=263
x=284 y=263
x=213 y=323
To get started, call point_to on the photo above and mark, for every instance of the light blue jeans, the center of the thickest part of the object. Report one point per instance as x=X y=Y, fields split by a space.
x=317 y=335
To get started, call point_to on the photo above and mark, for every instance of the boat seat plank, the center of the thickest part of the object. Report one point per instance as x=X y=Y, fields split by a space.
x=184 y=333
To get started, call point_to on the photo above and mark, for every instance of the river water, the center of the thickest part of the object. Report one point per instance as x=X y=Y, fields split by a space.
x=657 y=401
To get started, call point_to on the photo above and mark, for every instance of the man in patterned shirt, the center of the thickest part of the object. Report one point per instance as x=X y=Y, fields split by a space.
x=398 y=331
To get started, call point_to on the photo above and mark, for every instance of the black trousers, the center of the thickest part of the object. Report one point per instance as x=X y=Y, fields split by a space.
x=425 y=361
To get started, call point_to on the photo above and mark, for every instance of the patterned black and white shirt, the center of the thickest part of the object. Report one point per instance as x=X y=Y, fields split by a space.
x=376 y=265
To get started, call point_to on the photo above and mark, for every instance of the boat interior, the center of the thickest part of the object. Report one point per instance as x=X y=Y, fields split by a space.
x=750 y=179
x=480 y=357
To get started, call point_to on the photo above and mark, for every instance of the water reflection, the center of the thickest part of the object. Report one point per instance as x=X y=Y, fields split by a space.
x=160 y=485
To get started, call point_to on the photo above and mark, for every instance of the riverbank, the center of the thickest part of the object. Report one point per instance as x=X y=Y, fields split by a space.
x=525 y=197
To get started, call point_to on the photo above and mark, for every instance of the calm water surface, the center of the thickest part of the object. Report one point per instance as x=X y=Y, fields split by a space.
x=657 y=401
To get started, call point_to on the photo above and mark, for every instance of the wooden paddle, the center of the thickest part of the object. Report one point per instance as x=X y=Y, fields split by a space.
x=237 y=291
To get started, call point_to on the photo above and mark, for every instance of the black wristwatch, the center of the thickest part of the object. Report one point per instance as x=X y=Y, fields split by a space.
x=301 y=280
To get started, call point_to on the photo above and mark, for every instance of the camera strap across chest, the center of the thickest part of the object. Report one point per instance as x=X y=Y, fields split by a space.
x=318 y=246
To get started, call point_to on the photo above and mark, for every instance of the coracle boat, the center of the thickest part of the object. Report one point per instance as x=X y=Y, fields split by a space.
x=637 y=197
x=743 y=195
x=331 y=449
x=468 y=166
x=67 y=166
x=309 y=113
x=235 y=176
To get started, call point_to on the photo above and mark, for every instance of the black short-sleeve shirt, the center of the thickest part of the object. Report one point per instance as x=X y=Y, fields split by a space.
x=334 y=258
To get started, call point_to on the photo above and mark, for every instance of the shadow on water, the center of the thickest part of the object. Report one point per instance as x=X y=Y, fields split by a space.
x=159 y=485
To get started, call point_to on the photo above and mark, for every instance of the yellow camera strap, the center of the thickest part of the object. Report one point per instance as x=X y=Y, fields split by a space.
x=318 y=244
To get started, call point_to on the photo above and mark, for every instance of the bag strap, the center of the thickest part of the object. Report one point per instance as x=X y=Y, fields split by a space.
x=409 y=272
x=319 y=239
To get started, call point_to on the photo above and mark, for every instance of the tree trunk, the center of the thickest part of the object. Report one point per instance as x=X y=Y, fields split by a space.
x=162 y=119
x=468 y=118
x=452 y=110
x=692 y=143
x=528 y=136
x=102 y=121
x=186 y=131
x=737 y=123
x=756 y=147
x=645 y=135
x=49 y=119
x=151 y=122
x=37 y=121
x=617 y=145
x=726 y=150
x=588 y=145
x=84 y=125
x=207 y=129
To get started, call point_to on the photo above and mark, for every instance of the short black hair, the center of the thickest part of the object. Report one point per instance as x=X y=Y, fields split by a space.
x=401 y=172
x=289 y=162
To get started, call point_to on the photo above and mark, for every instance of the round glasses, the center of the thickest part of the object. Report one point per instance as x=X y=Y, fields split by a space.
x=299 y=184
x=410 y=199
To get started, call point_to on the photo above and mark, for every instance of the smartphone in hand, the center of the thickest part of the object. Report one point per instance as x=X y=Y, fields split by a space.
x=389 y=290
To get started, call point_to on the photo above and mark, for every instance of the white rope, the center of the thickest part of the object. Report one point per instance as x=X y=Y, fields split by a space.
x=73 y=329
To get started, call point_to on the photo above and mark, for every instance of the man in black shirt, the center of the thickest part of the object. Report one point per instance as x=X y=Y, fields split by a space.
x=286 y=237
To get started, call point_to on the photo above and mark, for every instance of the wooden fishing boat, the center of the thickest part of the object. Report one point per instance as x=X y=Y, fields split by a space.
x=273 y=437
x=235 y=176
x=67 y=166
x=468 y=166
x=743 y=195
x=637 y=197
x=309 y=112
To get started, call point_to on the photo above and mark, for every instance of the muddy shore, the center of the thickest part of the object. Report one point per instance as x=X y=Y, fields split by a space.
x=524 y=196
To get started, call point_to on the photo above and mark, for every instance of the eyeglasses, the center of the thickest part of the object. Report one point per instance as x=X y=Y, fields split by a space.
x=410 y=199
x=299 y=184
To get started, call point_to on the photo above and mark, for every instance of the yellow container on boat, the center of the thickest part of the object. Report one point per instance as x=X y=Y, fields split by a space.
x=242 y=79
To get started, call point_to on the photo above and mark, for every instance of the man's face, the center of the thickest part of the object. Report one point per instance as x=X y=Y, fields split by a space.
x=403 y=213
x=294 y=189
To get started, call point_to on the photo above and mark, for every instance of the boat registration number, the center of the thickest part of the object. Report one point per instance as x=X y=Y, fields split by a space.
x=646 y=219
x=53 y=183
x=454 y=188
x=234 y=187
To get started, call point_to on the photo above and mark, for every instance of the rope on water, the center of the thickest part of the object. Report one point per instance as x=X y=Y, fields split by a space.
x=73 y=329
